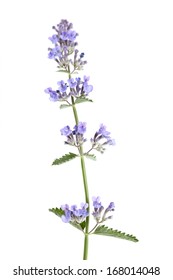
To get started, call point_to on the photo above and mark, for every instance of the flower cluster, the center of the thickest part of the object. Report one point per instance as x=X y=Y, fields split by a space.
x=73 y=87
x=74 y=137
x=73 y=214
x=98 y=213
x=101 y=138
x=65 y=45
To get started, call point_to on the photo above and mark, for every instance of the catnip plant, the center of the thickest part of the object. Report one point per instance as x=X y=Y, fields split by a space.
x=70 y=92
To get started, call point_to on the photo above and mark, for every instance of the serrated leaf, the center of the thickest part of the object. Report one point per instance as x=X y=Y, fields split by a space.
x=64 y=159
x=103 y=230
x=63 y=106
x=82 y=99
x=59 y=212
x=93 y=157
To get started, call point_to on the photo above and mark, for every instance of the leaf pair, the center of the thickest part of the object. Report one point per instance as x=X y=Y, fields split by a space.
x=70 y=156
x=77 y=101
x=100 y=230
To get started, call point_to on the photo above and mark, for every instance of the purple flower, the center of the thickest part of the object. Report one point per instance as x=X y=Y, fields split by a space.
x=102 y=130
x=54 y=52
x=53 y=95
x=66 y=131
x=86 y=79
x=73 y=208
x=97 y=141
x=53 y=39
x=78 y=80
x=62 y=86
x=84 y=205
x=80 y=128
x=111 y=142
x=65 y=39
x=67 y=217
x=75 y=137
x=67 y=213
x=73 y=214
x=64 y=35
x=68 y=35
x=65 y=207
x=88 y=88
x=81 y=214
x=111 y=207
x=72 y=83
x=98 y=209
x=48 y=90
x=96 y=202
x=72 y=35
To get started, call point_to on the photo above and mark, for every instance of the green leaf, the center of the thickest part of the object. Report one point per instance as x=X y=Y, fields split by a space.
x=78 y=226
x=63 y=106
x=103 y=230
x=93 y=157
x=64 y=158
x=62 y=71
x=59 y=212
x=82 y=99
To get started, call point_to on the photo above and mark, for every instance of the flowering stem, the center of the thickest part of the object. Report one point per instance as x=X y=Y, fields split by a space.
x=85 y=251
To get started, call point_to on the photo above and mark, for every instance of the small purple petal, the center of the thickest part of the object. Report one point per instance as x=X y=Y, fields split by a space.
x=53 y=39
x=48 y=90
x=67 y=217
x=87 y=88
x=81 y=128
x=72 y=83
x=64 y=35
x=54 y=96
x=96 y=202
x=54 y=52
x=73 y=208
x=111 y=206
x=86 y=79
x=72 y=35
x=65 y=207
x=62 y=86
x=102 y=130
x=111 y=142
x=84 y=205
x=66 y=131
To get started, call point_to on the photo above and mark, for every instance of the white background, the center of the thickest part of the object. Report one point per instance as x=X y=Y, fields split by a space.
x=129 y=49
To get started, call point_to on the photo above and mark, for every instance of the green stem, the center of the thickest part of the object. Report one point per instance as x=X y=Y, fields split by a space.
x=74 y=110
x=84 y=175
x=85 y=252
